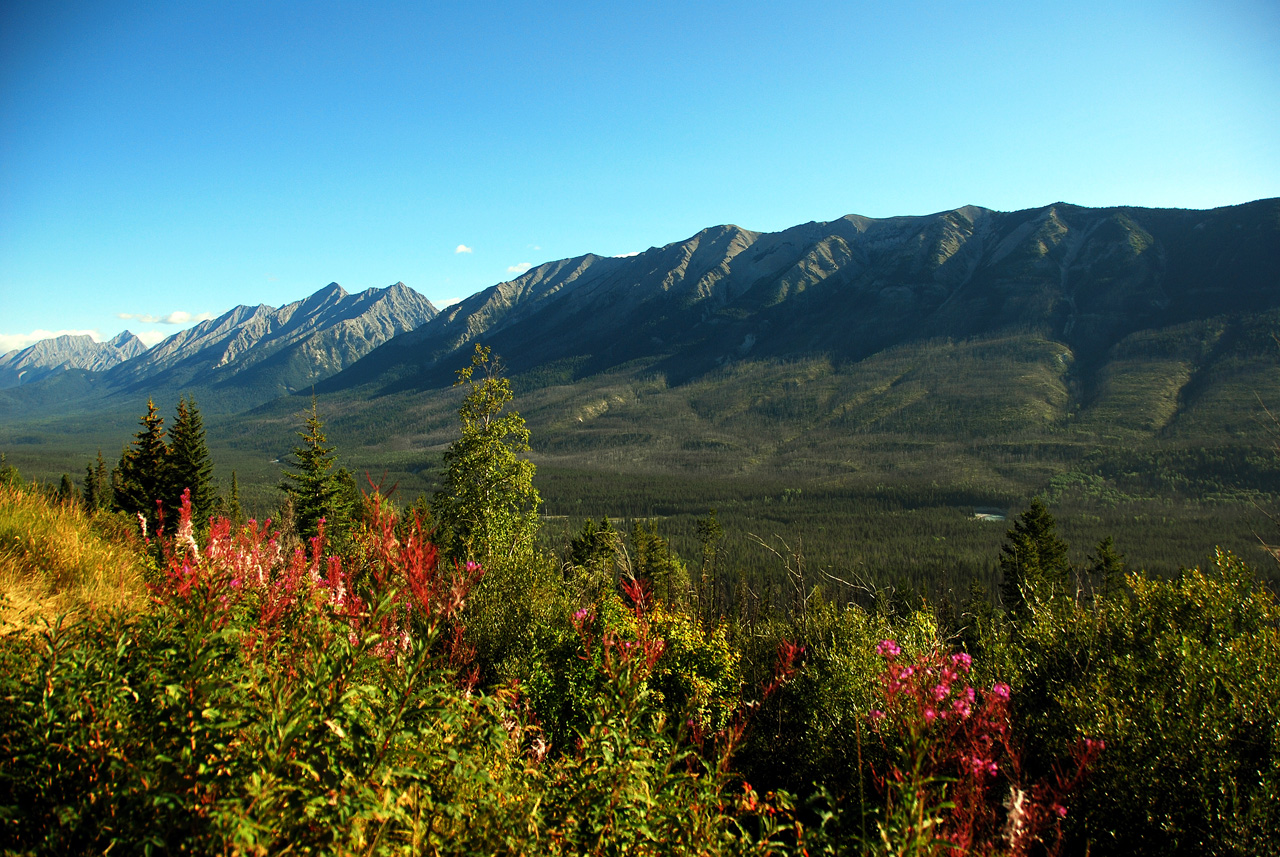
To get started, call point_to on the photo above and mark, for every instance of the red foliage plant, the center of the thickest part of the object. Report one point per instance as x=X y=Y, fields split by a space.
x=245 y=568
x=959 y=735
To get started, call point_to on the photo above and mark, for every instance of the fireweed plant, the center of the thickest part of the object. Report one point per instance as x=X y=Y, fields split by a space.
x=271 y=701
x=954 y=780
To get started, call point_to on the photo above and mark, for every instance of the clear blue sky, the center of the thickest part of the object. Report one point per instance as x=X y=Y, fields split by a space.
x=181 y=158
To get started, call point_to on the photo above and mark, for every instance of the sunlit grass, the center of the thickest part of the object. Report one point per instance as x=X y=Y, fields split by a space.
x=55 y=560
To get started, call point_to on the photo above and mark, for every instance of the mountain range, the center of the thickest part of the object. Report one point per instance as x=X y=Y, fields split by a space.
x=833 y=377
x=62 y=353
x=816 y=350
x=245 y=356
x=853 y=287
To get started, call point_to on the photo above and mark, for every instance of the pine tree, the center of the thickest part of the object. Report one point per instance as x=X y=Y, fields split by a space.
x=1109 y=564
x=97 y=485
x=234 y=512
x=488 y=505
x=596 y=546
x=139 y=478
x=657 y=563
x=315 y=487
x=189 y=464
x=1033 y=560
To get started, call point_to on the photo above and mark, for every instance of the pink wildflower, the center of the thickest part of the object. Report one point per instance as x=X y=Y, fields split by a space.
x=888 y=649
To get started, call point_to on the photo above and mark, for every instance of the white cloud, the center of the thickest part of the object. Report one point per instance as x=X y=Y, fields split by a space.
x=628 y=255
x=151 y=337
x=17 y=341
x=519 y=269
x=463 y=248
x=447 y=302
x=175 y=317
x=534 y=247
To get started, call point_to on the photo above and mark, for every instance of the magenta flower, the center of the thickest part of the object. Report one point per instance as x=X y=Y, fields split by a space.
x=888 y=649
x=1000 y=689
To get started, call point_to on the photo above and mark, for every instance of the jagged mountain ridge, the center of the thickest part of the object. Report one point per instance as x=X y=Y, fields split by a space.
x=245 y=357
x=852 y=287
x=277 y=351
x=62 y=353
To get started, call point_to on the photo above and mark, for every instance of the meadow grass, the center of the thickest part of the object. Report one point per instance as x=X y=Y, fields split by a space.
x=56 y=558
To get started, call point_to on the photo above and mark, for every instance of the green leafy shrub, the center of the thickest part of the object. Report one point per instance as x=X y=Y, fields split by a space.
x=1181 y=679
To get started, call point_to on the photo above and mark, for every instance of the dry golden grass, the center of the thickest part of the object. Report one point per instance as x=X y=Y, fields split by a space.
x=53 y=561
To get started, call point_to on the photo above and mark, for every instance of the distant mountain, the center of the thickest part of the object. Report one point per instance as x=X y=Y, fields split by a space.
x=851 y=288
x=247 y=356
x=61 y=353
x=273 y=352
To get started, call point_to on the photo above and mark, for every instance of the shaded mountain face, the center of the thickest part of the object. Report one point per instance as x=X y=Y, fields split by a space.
x=62 y=353
x=853 y=287
x=262 y=352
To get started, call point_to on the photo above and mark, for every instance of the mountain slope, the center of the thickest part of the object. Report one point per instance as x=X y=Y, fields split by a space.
x=61 y=353
x=850 y=288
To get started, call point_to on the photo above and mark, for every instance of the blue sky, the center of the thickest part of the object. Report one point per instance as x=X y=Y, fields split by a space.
x=160 y=162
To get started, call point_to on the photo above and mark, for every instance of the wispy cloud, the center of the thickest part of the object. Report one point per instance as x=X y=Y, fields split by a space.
x=176 y=317
x=628 y=255
x=463 y=248
x=151 y=337
x=447 y=302
x=520 y=268
x=15 y=341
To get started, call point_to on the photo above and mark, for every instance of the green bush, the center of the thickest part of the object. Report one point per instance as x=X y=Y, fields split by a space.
x=1181 y=679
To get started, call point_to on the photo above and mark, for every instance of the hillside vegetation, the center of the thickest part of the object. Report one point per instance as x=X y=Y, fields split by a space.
x=432 y=680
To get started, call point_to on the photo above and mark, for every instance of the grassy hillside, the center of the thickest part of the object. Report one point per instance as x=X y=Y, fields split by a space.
x=57 y=559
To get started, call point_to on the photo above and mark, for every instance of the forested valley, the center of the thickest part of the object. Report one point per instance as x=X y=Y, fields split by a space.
x=516 y=653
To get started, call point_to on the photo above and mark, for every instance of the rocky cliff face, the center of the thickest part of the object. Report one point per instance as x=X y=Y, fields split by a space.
x=60 y=353
x=268 y=352
x=855 y=286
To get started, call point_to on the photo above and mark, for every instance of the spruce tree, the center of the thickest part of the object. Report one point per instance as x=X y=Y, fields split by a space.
x=139 y=479
x=1109 y=564
x=315 y=487
x=1033 y=560
x=233 y=510
x=66 y=489
x=97 y=485
x=189 y=465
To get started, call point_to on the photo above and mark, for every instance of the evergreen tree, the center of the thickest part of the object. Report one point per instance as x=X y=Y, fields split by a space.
x=66 y=489
x=657 y=563
x=488 y=506
x=232 y=508
x=710 y=534
x=1109 y=564
x=139 y=479
x=1033 y=560
x=315 y=487
x=189 y=465
x=594 y=547
x=102 y=483
x=97 y=485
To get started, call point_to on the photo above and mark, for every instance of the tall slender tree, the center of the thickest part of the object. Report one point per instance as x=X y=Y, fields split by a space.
x=488 y=507
x=97 y=485
x=1033 y=560
x=139 y=479
x=314 y=486
x=189 y=465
